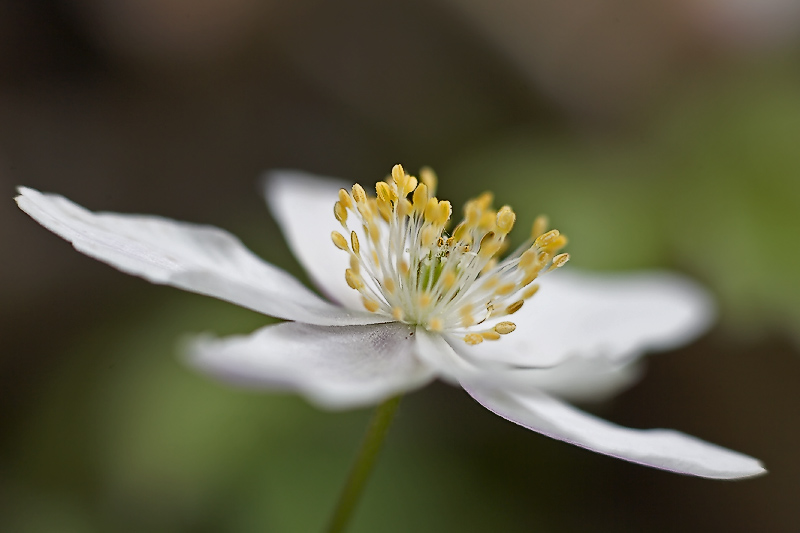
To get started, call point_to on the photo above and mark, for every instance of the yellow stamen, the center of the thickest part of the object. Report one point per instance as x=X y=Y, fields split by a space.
x=345 y=199
x=428 y=178
x=359 y=196
x=546 y=238
x=530 y=291
x=388 y=284
x=353 y=280
x=560 y=260
x=504 y=328
x=513 y=308
x=424 y=300
x=339 y=241
x=539 y=226
x=340 y=213
x=505 y=289
x=415 y=272
x=420 y=198
x=505 y=219
x=473 y=339
x=384 y=192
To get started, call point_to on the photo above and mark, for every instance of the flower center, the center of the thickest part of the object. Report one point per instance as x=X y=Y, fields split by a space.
x=405 y=264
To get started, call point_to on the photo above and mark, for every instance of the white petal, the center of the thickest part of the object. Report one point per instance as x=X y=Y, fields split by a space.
x=582 y=379
x=616 y=316
x=334 y=367
x=659 y=448
x=577 y=378
x=200 y=259
x=303 y=206
x=437 y=353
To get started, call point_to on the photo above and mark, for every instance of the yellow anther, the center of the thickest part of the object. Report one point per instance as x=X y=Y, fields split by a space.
x=428 y=177
x=375 y=236
x=404 y=268
x=424 y=300
x=404 y=207
x=560 y=260
x=503 y=247
x=365 y=211
x=528 y=259
x=371 y=305
x=505 y=289
x=384 y=192
x=388 y=285
x=428 y=236
x=431 y=209
x=557 y=244
x=539 y=226
x=354 y=242
x=405 y=183
x=484 y=200
x=504 y=328
x=490 y=282
x=490 y=335
x=398 y=175
x=460 y=232
x=546 y=238
x=472 y=213
x=473 y=339
x=359 y=196
x=353 y=280
x=487 y=238
x=355 y=263
x=411 y=184
x=489 y=245
x=489 y=266
x=339 y=240
x=436 y=324
x=397 y=313
x=487 y=219
x=385 y=210
x=448 y=280
x=529 y=278
x=530 y=291
x=505 y=219
x=345 y=199
x=340 y=213
x=420 y=198
x=444 y=209
x=513 y=308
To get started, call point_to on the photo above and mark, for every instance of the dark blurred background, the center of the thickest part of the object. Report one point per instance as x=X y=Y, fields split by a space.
x=655 y=134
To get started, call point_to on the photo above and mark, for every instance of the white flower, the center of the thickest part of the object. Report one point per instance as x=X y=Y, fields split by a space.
x=415 y=304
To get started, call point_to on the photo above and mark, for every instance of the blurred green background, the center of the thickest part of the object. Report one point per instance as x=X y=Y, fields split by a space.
x=655 y=134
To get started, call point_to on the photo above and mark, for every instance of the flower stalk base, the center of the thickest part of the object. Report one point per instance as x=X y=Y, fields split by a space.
x=359 y=473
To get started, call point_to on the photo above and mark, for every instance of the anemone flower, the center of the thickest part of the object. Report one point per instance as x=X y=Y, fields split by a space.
x=412 y=299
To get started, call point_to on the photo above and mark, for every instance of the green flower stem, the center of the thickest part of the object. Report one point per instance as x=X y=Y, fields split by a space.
x=370 y=446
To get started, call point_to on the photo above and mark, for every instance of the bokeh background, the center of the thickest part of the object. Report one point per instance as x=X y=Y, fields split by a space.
x=655 y=134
